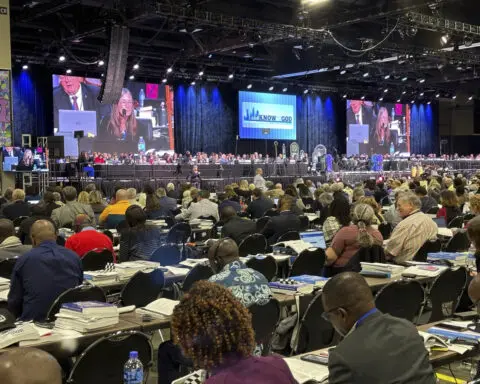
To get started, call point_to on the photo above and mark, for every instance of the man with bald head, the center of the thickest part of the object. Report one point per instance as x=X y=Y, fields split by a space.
x=119 y=208
x=87 y=238
x=42 y=274
x=29 y=366
x=376 y=347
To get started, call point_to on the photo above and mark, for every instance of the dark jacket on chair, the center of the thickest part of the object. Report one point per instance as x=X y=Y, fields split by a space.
x=278 y=225
x=382 y=349
x=257 y=208
x=237 y=228
x=16 y=209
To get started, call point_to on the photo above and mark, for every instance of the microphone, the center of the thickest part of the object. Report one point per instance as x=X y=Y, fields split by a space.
x=124 y=112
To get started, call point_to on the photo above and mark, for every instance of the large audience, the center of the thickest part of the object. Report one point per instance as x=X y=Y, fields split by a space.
x=52 y=235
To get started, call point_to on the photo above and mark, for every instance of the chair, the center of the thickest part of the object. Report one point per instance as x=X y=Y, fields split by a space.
x=267 y=266
x=211 y=218
x=262 y=222
x=309 y=262
x=167 y=255
x=433 y=211
x=264 y=322
x=271 y=212
x=252 y=245
x=109 y=234
x=385 y=229
x=304 y=223
x=456 y=222
x=199 y=272
x=19 y=220
x=72 y=295
x=122 y=226
x=385 y=202
x=97 y=259
x=288 y=236
x=373 y=254
x=430 y=246
x=402 y=299
x=143 y=288
x=113 y=220
x=468 y=217
x=179 y=233
x=6 y=267
x=314 y=332
x=103 y=361
x=445 y=292
x=61 y=241
x=458 y=243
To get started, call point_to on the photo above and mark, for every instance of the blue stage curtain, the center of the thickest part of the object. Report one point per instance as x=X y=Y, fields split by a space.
x=424 y=137
x=206 y=119
x=32 y=104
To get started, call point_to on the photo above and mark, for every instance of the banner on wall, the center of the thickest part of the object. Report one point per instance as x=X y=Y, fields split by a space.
x=5 y=109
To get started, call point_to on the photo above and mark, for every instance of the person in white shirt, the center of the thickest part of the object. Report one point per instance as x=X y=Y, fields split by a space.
x=202 y=208
x=259 y=181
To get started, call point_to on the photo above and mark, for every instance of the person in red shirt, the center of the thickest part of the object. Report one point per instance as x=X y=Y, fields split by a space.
x=86 y=238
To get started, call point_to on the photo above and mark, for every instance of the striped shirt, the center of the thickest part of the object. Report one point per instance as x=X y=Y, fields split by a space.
x=330 y=227
x=409 y=236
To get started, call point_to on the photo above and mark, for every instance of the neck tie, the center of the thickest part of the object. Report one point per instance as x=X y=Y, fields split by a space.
x=357 y=117
x=75 y=104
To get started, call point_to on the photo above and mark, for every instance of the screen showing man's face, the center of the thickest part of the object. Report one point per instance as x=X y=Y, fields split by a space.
x=356 y=105
x=70 y=84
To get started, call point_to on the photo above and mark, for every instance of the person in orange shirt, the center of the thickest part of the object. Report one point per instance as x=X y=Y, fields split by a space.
x=119 y=208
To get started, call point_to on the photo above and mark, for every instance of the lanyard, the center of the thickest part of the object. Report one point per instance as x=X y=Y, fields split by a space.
x=362 y=319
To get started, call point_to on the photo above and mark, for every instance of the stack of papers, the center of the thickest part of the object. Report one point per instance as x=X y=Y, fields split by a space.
x=298 y=246
x=86 y=316
x=381 y=270
x=163 y=307
x=4 y=283
x=456 y=258
x=425 y=270
x=100 y=276
x=128 y=269
x=25 y=331
x=317 y=281
x=190 y=263
x=304 y=371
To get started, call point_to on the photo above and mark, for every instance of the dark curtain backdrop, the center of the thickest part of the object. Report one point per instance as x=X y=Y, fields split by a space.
x=206 y=119
x=424 y=136
x=32 y=103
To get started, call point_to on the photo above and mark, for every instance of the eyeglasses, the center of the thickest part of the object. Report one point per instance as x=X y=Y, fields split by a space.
x=327 y=315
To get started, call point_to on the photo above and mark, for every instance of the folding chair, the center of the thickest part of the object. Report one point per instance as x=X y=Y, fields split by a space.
x=288 y=236
x=167 y=255
x=430 y=246
x=6 y=267
x=97 y=259
x=456 y=222
x=267 y=266
x=143 y=288
x=252 y=245
x=309 y=262
x=459 y=242
x=264 y=322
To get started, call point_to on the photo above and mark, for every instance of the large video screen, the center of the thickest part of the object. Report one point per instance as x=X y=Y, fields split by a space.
x=378 y=128
x=141 y=120
x=267 y=116
x=24 y=159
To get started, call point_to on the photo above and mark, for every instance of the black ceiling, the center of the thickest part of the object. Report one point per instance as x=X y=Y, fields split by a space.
x=264 y=42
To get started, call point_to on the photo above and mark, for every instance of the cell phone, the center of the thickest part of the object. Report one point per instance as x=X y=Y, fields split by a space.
x=453 y=327
x=322 y=358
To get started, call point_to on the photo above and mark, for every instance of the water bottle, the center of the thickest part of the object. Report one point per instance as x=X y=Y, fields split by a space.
x=393 y=114
x=141 y=144
x=141 y=97
x=392 y=149
x=133 y=370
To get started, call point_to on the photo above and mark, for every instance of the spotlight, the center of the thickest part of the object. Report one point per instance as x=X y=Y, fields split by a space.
x=363 y=98
x=103 y=75
x=437 y=95
x=366 y=74
x=345 y=96
x=385 y=90
x=101 y=63
x=445 y=39
x=192 y=83
x=421 y=94
x=61 y=58
x=164 y=81
x=413 y=101
x=470 y=98
x=249 y=86
x=136 y=66
x=230 y=76
x=285 y=89
x=386 y=77
x=404 y=78
x=271 y=88
x=25 y=67
x=305 y=91
x=210 y=56
x=380 y=99
x=421 y=81
x=398 y=100
x=429 y=102
x=454 y=97
x=169 y=70
x=404 y=92
x=68 y=71
x=343 y=71
x=131 y=77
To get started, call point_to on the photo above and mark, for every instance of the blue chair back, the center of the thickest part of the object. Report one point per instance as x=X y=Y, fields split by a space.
x=166 y=255
x=113 y=220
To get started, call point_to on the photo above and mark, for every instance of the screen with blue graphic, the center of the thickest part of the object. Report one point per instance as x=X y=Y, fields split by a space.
x=267 y=116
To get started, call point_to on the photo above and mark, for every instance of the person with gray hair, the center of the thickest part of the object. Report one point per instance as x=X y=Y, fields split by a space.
x=65 y=216
x=412 y=232
x=132 y=196
x=166 y=203
x=350 y=239
x=18 y=207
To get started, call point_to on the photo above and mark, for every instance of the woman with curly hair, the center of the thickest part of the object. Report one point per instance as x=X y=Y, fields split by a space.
x=215 y=331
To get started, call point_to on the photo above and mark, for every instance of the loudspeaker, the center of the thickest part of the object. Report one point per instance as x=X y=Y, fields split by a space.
x=77 y=134
x=116 y=65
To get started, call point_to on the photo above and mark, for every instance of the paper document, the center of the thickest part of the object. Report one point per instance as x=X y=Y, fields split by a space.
x=304 y=371
x=161 y=306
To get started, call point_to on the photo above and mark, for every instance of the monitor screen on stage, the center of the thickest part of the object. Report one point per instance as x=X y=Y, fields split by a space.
x=267 y=116
x=24 y=159
x=378 y=128
x=141 y=120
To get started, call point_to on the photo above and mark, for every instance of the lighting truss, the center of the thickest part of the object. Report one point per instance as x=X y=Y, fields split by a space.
x=437 y=24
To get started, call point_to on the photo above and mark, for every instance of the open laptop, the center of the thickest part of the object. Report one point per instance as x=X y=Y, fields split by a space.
x=441 y=222
x=315 y=238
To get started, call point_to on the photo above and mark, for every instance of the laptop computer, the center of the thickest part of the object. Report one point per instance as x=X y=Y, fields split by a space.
x=441 y=222
x=315 y=238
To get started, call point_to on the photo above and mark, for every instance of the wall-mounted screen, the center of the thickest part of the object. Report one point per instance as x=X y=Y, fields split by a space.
x=141 y=120
x=378 y=128
x=24 y=159
x=267 y=116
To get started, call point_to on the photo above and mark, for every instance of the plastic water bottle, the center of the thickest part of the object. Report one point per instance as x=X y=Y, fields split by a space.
x=141 y=97
x=133 y=370
x=392 y=149
x=141 y=144
x=393 y=114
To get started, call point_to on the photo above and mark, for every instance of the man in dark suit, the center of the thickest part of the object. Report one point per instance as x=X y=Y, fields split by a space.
x=358 y=113
x=165 y=201
x=259 y=205
x=235 y=227
x=18 y=207
x=74 y=94
x=377 y=348
x=286 y=221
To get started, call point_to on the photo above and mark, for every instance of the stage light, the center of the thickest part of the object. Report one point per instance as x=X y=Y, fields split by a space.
x=437 y=95
x=387 y=77
x=169 y=70
x=404 y=92
x=363 y=98
x=200 y=73
x=398 y=100
x=445 y=39
x=249 y=86
x=345 y=96
x=421 y=81
x=271 y=88
x=285 y=89
x=68 y=71
x=380 y=99
x=421 y=94
x=385 y=90
x=131 y=77
x=404 y=78
x=192 y=83
x=366 y=74
x=470 y=98
x=413 y=101
x=454 y=97
x=343 y=72
x=210 y=56
x=305 y=91
x=25 y=67
x=101 y=63
x=103 y=75
x=164 y=81
x=135 y=67
x=429 y=102
x=61 y=58
x=230 y=76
